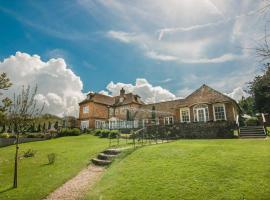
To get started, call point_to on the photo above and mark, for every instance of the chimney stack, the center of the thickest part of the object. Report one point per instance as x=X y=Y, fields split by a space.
x=122 y=92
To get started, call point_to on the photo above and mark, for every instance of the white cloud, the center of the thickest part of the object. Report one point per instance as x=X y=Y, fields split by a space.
x=237 y=94
x=144 y=89
x=58 y=87
x=121 y=36
x=157 y=56
x=221 y=59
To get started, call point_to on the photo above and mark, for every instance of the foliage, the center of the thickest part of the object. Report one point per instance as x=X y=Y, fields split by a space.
x=4 y=135
x=105 y=133
x=29 y=153
x=247 y=106
x=69 y=132
x=56 y=125
x=51 y=158
x=260 y=91
x=114 y=134
x=253 y=121
x=6 y=102
x=97 y=132
x=72 y=153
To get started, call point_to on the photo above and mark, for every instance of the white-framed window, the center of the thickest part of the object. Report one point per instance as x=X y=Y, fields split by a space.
x=219 y=112
x=145 y=122
x=99 y=124
x=111 y=111
x=201 y=113
x=168 y=120
x=184 y=115
x=84 y=124
x=85 y=109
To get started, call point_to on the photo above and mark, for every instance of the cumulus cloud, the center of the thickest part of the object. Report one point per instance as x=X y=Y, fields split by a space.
x=144 y=89
x=58 y=87
x=237 y=94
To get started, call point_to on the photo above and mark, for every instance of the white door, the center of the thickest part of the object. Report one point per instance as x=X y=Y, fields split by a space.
x=201 y=115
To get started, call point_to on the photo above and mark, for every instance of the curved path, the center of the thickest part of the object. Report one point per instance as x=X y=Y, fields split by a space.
x=76 y=187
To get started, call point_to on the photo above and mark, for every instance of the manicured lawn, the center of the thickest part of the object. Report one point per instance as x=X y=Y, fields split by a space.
x=190 y=169
x=37 y=179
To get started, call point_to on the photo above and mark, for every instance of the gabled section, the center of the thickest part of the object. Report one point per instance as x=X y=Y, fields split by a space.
x=206 y=94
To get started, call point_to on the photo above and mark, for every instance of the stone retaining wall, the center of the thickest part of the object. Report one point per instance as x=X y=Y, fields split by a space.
x=194 y=130
x=10 y=141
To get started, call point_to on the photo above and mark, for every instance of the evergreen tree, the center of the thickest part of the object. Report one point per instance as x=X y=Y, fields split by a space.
x=44 y=127
x=56 y=126
x=49 y=126
x=39 y=128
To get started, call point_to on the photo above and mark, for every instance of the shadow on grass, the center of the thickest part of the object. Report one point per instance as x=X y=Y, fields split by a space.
x=6 y=189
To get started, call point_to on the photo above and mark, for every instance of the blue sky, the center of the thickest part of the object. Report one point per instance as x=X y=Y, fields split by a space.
x=177 y=45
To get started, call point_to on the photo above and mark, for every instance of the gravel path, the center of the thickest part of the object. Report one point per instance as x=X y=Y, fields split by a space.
x=76 y=187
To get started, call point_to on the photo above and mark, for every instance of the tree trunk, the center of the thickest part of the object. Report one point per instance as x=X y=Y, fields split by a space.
x=15 y=180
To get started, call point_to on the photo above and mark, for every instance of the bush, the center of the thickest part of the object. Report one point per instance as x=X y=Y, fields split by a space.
x=34 y=135
x=29 y=153
x=4 y=135
x=114 y=134
x=51 y=158
x=97 y=132
x=69 y=132
x=104 y=133
x=253 y=121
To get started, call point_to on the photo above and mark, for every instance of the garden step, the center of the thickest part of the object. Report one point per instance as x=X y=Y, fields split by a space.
x=252 y=136
x=112 y=151
x=101 y=162
x=103 y=156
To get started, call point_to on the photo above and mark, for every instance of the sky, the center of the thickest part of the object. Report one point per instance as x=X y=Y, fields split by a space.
x=158 y=49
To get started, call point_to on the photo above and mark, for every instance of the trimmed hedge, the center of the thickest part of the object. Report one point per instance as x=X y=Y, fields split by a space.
x=69 y=132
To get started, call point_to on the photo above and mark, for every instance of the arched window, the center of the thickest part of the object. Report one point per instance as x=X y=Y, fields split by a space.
x=201 y=113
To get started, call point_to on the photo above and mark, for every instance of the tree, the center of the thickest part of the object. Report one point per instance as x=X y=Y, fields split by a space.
x=39 y=128
x=50 y=125
x=56 y=126
x=259 y=88
x=247 y=106
x=4 y=85
x=44 y=127
x=21 y=115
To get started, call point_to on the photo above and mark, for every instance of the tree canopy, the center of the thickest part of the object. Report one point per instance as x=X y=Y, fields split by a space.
x=259 y=89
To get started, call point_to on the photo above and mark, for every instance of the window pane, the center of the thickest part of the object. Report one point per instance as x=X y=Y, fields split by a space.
x=219 y=113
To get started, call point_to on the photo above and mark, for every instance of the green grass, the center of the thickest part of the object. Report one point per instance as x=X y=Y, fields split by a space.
x=37 y=179
x=190 y=169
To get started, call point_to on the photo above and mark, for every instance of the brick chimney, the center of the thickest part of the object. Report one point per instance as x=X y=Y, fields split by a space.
x=122 y=92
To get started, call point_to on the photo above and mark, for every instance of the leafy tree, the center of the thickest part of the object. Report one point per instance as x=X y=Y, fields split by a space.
x=259 y=88
x=21 y=114
x=247 y=105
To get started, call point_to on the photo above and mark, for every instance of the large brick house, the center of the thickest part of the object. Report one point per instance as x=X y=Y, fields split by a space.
x=127 y=110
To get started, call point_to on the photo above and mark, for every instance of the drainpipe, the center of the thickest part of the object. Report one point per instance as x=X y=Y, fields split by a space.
x=264 y=123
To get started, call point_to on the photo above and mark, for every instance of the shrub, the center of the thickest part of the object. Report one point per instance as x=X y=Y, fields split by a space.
x=253 y=121
x=51 y=158
x=4 y=135
x=69 y=132
x=105 y=133
x=114 y=134
x=29 y=153
x=97 y=132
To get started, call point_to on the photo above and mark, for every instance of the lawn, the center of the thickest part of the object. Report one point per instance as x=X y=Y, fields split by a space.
x=190 y=169
x=37 y=179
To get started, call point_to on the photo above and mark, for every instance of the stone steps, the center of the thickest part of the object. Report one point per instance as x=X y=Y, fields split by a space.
x=252 y=132
x=106 y=157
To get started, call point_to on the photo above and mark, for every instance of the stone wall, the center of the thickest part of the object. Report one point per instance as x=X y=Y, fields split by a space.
x=10 y=141
x=194 y=130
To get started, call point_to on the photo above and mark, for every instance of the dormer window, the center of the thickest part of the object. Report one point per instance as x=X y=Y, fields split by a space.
x=121 y=99
x=85 y=109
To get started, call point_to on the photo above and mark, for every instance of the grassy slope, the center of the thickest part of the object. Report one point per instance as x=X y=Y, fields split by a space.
x=36 y=179
x=190 y=169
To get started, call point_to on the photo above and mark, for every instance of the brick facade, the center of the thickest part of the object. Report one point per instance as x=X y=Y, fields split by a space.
x=199 y=105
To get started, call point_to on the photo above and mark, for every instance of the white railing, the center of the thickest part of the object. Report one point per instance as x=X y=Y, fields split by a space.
x=237 y=120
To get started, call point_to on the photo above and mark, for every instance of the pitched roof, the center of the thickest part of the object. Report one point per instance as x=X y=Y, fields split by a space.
x=112 y=101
